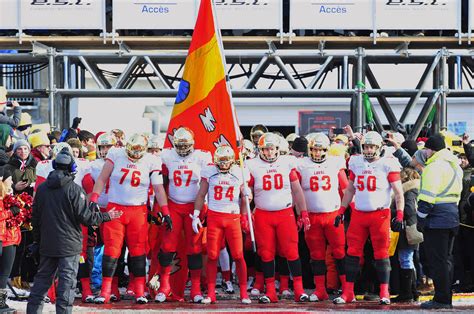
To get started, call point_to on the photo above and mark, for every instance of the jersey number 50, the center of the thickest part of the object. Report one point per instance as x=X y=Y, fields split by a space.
x=371 y=183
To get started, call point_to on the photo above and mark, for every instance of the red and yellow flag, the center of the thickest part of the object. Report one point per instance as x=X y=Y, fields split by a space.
x=204 y=103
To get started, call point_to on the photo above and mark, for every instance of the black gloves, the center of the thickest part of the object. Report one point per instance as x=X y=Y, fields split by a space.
x=397 y=225
x=15 y=211
x=168 y=223
x=75 y=122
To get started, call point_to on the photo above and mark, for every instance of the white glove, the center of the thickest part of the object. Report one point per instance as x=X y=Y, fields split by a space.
x=196 y=221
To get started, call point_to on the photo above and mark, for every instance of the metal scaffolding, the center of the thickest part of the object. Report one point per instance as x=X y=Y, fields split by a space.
x=249 y=77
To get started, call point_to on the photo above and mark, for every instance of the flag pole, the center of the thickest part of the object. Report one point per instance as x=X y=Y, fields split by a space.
x=237 y=130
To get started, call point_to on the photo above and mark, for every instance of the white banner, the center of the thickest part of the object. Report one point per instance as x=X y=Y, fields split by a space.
x=417 y=14
x=248 y=14
x=181 y=14
x=9 y=14
x=154 y=14
x=62 y=14
x=331 y=14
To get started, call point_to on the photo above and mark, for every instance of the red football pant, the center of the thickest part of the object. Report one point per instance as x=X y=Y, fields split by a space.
x=181 y=222
x=276 y=228
x=132 y=226
x=377 y=225
x=222 y=226
x=322 y=232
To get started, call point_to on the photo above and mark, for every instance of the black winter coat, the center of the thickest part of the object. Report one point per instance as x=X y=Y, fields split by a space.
x=410 y=193
x=59 y=209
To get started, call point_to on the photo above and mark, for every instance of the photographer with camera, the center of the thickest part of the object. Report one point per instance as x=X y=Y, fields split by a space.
x=4 y=118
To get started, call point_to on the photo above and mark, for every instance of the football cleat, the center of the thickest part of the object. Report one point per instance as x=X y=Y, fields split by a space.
x=384 y=301
x=264 y=299
x=303 y=298
x=255 y=292
x=246 y=301
x=88 y=299
x=197 y=298
x=160 y=297
x=340 y=300
x=229 y=288
x=141 y=300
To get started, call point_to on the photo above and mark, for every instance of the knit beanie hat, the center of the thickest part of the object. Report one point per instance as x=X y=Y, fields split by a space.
x=435 y=142
x=300 y=145
x=410 y=146
x=19 y=144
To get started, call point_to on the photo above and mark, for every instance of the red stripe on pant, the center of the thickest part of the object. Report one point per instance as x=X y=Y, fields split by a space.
x=222 y=226
x=276 y=228
x=374 y=223
x=323 y=231
x=133 y=227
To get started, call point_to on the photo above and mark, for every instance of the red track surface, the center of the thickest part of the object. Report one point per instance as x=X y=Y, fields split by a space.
x=285 y=306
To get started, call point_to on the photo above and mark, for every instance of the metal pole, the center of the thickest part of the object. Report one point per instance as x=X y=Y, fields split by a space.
x=443 y=112
x=425 y=111
x=412 y=102
x=320 y=73
x=359 y=116
x=285 y=72
x=345 y=72
x=66 y=72
x=262 y=65
x=51 y=85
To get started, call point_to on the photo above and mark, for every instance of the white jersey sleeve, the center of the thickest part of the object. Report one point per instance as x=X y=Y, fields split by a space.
x=372 y=181
x=95 y=170
x=83 y=168
x=320 y=183
x=272 y=182
x=43 y=168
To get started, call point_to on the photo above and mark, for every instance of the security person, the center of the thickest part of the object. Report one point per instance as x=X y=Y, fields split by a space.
x=59 y=209
x=438 y=216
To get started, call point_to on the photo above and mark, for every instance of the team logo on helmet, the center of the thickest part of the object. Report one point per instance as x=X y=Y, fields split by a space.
x=183 y=141
x=136 y=146
x=269 y=147
x=224 y=158
x=318 y=146
x=105 y=140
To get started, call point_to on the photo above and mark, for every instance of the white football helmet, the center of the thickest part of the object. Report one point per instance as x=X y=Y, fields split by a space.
x=248 y=149
x=284 y=146
x=105 y=140
x=59 y=147
x=269 y=141
x=155 y=142
x=224 y=158
x=256 y=132
x=318 y=146
x=183 y=141
x=136 y=146
x=371 y=138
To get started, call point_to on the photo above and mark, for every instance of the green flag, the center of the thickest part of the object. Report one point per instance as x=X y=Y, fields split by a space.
x=367 y=104
x=431 y=116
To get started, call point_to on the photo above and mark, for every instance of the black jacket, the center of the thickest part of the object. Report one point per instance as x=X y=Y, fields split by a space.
x=59 y=209
x=28 y=173
x=410 y=193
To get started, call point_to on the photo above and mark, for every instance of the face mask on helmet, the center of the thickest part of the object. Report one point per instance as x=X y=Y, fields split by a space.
x=318 y=146
x=224 y=158
x=268 y=147
x=136 y=147
x=183 y=142
x=104 y=143
x=371 y=145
